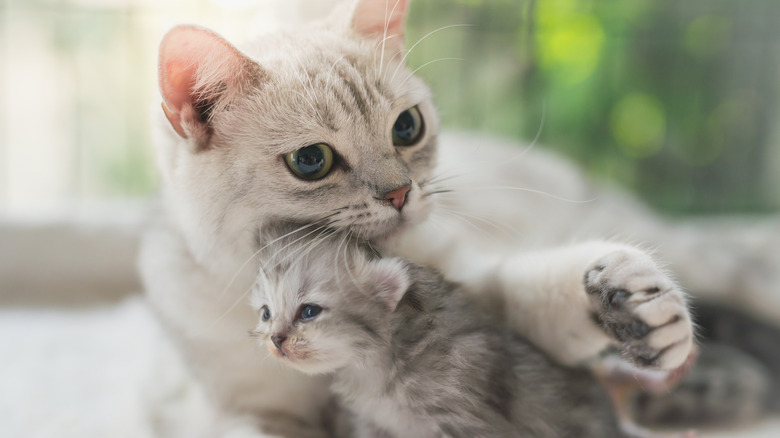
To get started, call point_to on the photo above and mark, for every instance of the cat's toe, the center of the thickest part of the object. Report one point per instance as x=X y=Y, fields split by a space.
x=641 y=308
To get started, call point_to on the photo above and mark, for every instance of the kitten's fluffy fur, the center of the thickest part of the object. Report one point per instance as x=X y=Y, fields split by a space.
x=415 y=358
x=227 y=192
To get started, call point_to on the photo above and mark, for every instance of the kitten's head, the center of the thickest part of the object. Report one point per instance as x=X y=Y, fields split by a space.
x=323 y=125
x=329 y=308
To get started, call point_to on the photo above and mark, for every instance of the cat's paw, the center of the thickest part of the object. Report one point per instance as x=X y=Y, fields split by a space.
x=641 y=308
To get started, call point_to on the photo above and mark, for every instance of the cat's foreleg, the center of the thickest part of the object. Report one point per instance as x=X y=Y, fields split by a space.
x=575 y=301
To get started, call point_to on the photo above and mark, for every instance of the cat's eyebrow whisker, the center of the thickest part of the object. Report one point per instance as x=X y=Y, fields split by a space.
x=427 y=64
x=400 y=64
x=388 y=17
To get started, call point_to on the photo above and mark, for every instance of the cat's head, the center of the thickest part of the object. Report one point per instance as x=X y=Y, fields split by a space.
x=329 y=308
x=322 y=125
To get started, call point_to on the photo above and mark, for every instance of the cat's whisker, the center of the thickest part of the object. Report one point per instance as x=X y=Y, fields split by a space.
x=401 y=63
x=427 y=64
x=439 y=179
x=240 y=298
x=529 y=190
x=336 y=261
x=243 y=265
x=315 y=241
x=437 y=192
x=346 y=260
x=535 y=140
x=504 y=228
x=456 y=215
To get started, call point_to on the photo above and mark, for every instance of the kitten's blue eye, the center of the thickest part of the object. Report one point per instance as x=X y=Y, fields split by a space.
x=310 y=311
x=311 y=162
x=408 y=127
x=265 y=313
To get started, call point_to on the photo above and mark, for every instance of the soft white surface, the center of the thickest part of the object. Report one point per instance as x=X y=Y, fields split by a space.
x=102 y=372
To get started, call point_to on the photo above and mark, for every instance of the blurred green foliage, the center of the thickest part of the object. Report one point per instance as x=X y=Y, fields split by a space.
x=675 y=100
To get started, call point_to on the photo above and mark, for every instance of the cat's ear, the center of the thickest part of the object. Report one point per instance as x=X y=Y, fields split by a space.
x=390 y=281
x=200 y=72
x=381 y=19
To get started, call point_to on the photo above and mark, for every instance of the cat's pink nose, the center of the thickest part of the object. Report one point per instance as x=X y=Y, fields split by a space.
x=278 y=340
x=397 y=197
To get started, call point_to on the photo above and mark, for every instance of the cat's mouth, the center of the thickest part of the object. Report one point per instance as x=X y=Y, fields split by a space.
x=382 y=223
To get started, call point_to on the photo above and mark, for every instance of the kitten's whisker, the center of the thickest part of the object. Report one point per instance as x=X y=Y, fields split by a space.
x=427 y=64
x=400 y=64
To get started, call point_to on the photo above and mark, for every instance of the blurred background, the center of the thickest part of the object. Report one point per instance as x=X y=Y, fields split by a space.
x=677 y=101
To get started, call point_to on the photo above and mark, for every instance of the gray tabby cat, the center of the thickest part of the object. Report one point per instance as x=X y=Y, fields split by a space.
x=413 y=356
x=328 y=130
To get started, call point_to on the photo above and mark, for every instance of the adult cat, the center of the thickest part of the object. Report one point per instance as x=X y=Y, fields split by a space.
x=326 y=128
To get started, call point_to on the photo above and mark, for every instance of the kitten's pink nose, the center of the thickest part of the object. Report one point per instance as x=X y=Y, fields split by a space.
x=278 y=340
x=398 y=196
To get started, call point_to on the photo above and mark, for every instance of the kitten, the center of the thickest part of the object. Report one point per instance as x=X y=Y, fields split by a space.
x=413 y=356
x=329 y=131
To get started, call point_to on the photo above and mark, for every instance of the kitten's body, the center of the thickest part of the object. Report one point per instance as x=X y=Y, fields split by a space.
x=414 y=357
x=235 y=116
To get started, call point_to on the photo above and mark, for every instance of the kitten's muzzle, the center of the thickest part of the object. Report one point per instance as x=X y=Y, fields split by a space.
x=278 y=340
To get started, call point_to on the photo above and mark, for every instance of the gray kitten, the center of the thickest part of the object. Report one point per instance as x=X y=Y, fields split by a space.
x=414 y=357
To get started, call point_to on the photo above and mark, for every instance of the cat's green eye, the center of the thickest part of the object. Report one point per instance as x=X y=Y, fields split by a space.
x=408 y=127
x=311 y=162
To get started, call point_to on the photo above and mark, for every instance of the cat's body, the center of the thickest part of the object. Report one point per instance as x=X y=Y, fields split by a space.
x=414 y=357
x=238 y=119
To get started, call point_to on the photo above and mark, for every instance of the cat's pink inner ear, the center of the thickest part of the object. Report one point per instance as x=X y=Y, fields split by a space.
x=391 y=281
x=195 y=64
x=381 y=19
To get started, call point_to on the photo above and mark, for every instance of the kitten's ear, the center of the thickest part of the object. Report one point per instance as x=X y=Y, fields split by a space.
x=390 y=281
x=199 y=72
x=380 y=19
